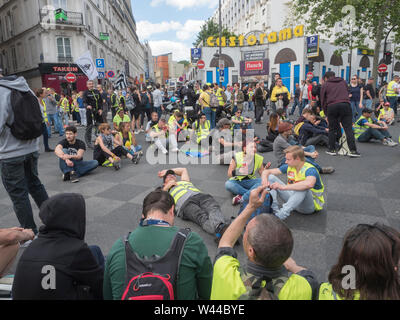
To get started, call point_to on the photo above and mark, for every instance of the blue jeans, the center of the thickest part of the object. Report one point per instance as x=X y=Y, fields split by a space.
x=159 y=111
x=45 y=130
x=355 y=110
x=367 y=103
x=237 y=187
x=251 y=106
x=265 y=208
x=301 y=201
x=393 y=104
x=20 y=178
x=296 y=103
x=303 y=104
x=373 y=134
x=57 y=124
x=211 y=116
x=80 y=167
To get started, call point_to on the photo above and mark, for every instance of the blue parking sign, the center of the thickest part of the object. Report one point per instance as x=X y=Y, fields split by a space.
x=195 y=54
x=100 y=63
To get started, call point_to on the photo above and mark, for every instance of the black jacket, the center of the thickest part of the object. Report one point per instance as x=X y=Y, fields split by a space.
x=60 y=244
x=93 y=98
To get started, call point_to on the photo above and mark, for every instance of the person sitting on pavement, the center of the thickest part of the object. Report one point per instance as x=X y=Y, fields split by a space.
x=283 y=141
x=154 y=237
x=272 y=127
x=104 y=151
x=126 y=138
x=201 y=130
x=179 y=125
x=365 y=129
x=150 y=124
x=268 y=245
x=70 y=151
x=10 y=241
x=191 y=203
x=312 y=133
x=121 y=116
x=58 y=264
x=238 y=121
x=304 y=191
x=372 y=252
x=223 y=143
x=162 y=138
x=242 y=171
x=386 y=114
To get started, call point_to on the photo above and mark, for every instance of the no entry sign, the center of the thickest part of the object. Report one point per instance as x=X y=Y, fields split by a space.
x=382 y=68
x=71 y=78
x=310 y=75
x=201 y=64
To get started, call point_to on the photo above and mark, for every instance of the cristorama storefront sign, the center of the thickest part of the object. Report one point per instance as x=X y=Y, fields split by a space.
x=262 y=38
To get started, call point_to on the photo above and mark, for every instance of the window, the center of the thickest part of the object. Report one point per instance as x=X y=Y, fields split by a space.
x=64 y=50
x=60 y=4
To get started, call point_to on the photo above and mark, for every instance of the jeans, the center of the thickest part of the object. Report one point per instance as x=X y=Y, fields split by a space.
x=45 y=130
x=355 y=110
x=251 y=106
x=237 y=187
x=159 y=111
x=303 y=104
x=295 y=104
x=82 y=113
x=340 y=113
x=245 y=106
x=208 y=112
x=203 y=210
x=265 y=208
x=64 y=118
x=57 y=123
x=273 y=106
x=393 y=104
x=372 y=133
x=259 y=112
x=301 y=201
x=20 y=178
x=80 y=167
x=320 y=139
x=367 y=103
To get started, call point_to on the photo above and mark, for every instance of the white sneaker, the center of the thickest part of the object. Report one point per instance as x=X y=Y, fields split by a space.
x=164 y=151
x=137 y=132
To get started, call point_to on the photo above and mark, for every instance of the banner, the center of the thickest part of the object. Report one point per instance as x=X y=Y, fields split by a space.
x=85 y=62
x=121 y=82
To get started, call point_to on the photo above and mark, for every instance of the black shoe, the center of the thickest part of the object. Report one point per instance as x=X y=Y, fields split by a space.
x=49 y=150
x=136 y=158
x=354 y=154
x=67 y=176
x=331 y=152
x=117 y=165
x=74 y=177
x=327 y=170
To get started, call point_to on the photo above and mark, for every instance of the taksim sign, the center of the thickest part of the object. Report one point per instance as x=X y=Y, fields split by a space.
x=254 y=65
x=263 y=38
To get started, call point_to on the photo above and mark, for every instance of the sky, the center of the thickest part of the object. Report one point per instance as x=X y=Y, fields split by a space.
x=171 y=25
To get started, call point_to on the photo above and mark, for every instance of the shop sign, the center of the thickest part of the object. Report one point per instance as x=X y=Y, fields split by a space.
x=254 y=68
x=254 y=55
x=252 y=40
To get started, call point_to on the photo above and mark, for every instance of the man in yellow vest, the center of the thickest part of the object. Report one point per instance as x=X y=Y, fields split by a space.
x=192 y=204
x=393 y=91
x=304 y=191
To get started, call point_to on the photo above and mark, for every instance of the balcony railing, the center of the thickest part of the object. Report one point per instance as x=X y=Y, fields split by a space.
x=73 y=18
x=63 y=59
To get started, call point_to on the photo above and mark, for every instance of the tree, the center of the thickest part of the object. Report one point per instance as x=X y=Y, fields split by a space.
x=211 y=29
x=184 y=62
x=369 y=19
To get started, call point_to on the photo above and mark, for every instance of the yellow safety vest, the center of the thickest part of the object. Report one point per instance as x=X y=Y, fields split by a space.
x=157 y=129
x=241 y=119
x=181 y=189
x=239 y=159
x=390 y=90
x=294 y=177
x=202 y=132
x=326 y=293
x=129 y=143
x=382 y=113
x=65 y=105
x=172 y=119
x=76 y=106
x=220 y=97
x=116 y=104
x=359 y=130
x=45 y=111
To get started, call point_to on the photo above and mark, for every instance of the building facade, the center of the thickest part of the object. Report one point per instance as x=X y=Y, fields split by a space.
x=42 y=46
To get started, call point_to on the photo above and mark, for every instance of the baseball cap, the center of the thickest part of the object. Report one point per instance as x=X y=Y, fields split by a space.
x=387 y=104
x=284 y=126
x=168 y=173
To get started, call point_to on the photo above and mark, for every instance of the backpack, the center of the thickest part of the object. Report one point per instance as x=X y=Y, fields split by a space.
x=153 y=278
x=28 y=118
x=214 y=102
x=297 y=128
x=130 y=104
x=344 y=149
x=271 y=291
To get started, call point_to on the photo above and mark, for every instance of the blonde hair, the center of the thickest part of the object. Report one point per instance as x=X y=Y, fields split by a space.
x=103 y=127
x=296 y=152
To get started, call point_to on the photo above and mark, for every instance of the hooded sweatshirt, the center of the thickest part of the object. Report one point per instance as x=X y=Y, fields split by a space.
x=334 y=91
x=60 y=244
x=10 y=146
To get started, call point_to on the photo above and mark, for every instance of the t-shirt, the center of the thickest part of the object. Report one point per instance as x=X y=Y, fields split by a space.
x=205 y=97
x=73 y=148
x=355 y=92
x=280 y=144
x=195 y=273
x=371 y=90
x=80 y=103
x=117 y=119
x=313 y=172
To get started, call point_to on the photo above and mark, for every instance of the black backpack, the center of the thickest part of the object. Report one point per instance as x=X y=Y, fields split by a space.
x=153 y=278
x=28 y=118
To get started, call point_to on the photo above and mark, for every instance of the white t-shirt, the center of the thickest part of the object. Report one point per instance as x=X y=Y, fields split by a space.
x=304 y=92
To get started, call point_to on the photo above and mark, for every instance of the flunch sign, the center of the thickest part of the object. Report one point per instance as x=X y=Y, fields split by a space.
x=263 y=38
x=254 y=65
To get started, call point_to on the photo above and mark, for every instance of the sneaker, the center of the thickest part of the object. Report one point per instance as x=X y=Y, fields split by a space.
x=327 y=170
x=385 y=142
x=237 y=200
x=137 y=132
x=107 y=164
x=66 y=176
x=136 y=158
x=117 y=165
x=221 y=230
x=74 y=177
x=354 y=154
x=391 y=143
x=331 y=152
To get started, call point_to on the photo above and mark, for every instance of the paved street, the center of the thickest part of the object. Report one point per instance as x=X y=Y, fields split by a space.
x=361 y=190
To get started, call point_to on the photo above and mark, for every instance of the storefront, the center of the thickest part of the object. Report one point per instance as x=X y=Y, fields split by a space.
x=53 y=76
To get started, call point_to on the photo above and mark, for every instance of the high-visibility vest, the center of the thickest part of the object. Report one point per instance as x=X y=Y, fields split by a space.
x=294 y=177
x=202 y=131
x=241 y=119
x=128 y=143
x=45 y=111
x=116 y=104
x=382 y=113
x=181 y=189
x=157 y=129
x=65 y=105
x=172 y=119
x=220 y=97
x=75 y=103
x=326 y=292
x=390 y=90
x=239 y=159
x=359 y=130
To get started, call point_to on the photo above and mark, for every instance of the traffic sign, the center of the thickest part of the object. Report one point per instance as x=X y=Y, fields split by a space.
x=110 y=74
x=195 y=54
x=221 y=79
x=221 y=72
x=382 y=68
x=201 y=64
x=310 y=75
x=102 y=75
x=100 y=64
x=71 y=78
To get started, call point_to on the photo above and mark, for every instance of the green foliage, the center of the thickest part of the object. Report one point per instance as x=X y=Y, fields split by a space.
x=184 y=62
x=211 y=29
